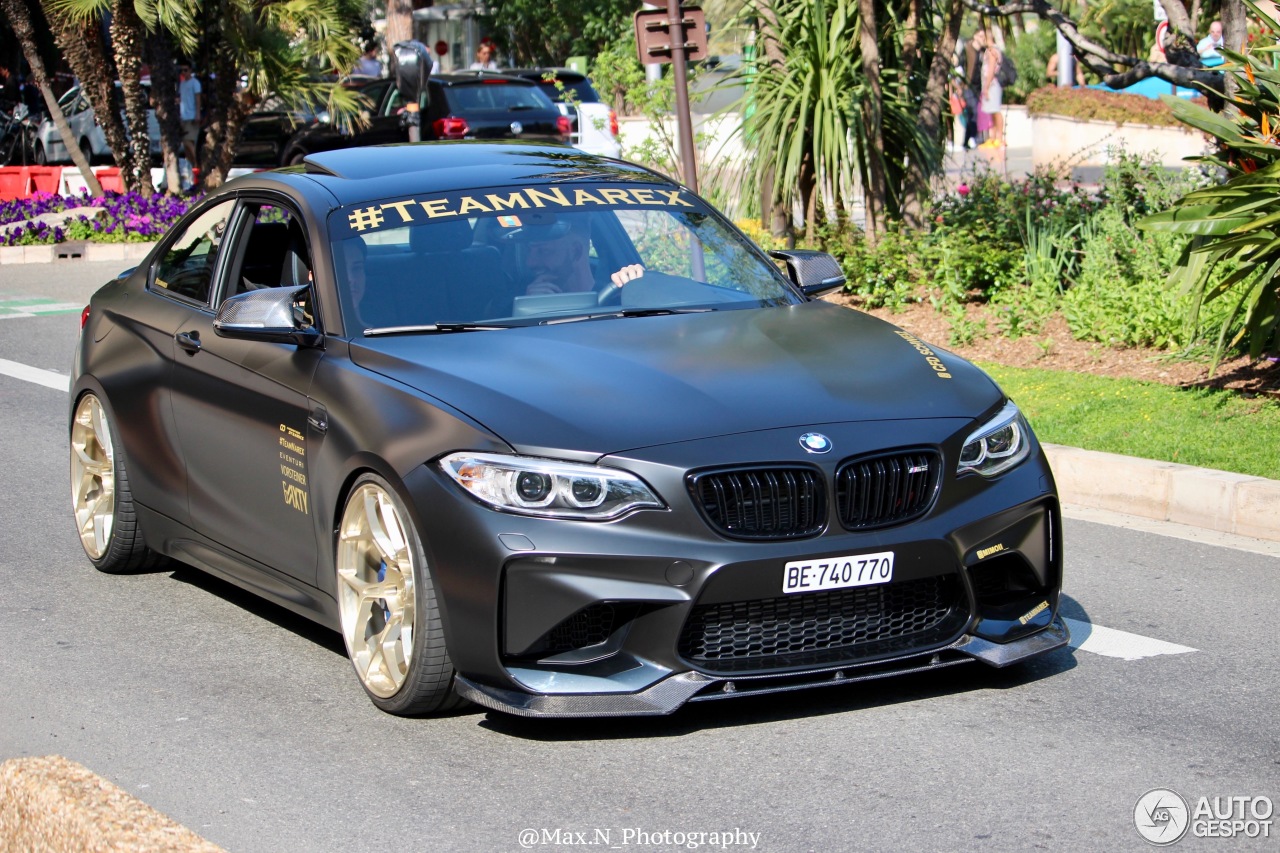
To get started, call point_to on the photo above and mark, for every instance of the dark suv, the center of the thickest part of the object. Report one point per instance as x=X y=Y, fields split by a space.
x=464 y=105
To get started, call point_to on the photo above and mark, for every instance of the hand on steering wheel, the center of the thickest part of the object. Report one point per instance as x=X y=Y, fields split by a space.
x=612 y=292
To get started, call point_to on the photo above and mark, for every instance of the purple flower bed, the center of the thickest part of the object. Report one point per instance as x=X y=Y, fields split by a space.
x=126 y=217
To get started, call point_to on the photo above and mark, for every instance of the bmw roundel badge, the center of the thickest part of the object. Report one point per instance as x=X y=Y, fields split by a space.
x=815 y=442
x=517 y=128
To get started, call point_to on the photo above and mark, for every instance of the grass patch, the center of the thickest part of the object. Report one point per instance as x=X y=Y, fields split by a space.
x=1209 y=429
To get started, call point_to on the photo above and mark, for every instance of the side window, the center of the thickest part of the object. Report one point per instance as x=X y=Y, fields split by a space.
x=186 y=267
x=274 y=252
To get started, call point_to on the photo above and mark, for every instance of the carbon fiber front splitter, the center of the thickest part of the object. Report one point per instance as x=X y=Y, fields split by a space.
x=672 y=692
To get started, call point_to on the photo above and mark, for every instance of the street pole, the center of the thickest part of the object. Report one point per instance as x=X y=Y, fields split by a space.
x=675 y=17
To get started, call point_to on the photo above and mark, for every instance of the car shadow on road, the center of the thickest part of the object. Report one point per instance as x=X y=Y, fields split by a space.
x=260 y=607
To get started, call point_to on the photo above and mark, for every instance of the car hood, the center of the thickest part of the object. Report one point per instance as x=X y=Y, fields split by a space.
x=610 y=385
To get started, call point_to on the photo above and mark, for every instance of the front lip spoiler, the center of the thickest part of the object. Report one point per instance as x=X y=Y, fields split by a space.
x=669 y=694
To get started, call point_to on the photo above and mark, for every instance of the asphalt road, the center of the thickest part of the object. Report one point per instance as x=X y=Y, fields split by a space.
x=246 y=724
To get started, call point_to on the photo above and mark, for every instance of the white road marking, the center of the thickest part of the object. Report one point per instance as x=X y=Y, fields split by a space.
x=47 y=378
x=1118 y=644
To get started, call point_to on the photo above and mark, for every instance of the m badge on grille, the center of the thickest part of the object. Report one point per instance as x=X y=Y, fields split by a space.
x=815 y=442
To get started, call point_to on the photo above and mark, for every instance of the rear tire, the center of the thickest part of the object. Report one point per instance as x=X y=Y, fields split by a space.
x=387 y=606
x=100 y=498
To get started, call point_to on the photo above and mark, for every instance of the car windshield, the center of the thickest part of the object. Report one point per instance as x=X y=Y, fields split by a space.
x=542 y=254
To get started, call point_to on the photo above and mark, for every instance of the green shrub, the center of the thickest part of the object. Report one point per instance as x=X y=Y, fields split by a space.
x=1120 y=296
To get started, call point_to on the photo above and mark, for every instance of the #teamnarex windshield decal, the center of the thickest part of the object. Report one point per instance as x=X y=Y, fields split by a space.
x=364 y=218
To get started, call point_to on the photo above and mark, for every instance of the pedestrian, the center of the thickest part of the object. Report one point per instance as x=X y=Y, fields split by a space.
x=973 y=53
x=484 y=58
x=190 y=110
x=992 y=98
x=1051 y=70
x=1209 y=46
x=369 y=65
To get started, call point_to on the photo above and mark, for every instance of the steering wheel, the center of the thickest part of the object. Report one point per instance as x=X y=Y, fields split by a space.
x=610 y=294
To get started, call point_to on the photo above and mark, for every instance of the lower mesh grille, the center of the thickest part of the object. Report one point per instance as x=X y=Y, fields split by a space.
x=845 y=625
x=590 y=626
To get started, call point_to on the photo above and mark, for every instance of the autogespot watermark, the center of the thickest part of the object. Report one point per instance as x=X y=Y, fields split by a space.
x=617 y=839
x=1164 y=817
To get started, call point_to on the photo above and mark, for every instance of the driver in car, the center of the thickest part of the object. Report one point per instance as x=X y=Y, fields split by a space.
x=558 y=254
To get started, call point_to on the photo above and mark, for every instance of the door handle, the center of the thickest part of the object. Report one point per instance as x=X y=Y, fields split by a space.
x=189 y=341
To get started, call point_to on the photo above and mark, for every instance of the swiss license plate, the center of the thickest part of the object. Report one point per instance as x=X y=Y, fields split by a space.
x=837 y=572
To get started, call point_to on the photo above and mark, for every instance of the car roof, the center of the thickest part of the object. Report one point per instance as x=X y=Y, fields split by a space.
x=352 y=175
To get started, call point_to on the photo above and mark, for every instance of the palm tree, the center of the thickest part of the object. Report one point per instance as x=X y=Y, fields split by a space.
x=828 y=120
x=19 y=16
x=258 y=49
x=252 y=49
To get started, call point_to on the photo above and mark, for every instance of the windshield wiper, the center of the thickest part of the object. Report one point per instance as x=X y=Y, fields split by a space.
x=431 y=329
x=625 y=312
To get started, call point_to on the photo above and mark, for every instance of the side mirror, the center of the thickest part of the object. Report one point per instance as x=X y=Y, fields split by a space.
x=815 y=273
x=274 y=314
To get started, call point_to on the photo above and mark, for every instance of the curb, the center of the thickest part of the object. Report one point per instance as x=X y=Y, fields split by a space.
x=54 y=804
x=1166 y=491
x=47 y=254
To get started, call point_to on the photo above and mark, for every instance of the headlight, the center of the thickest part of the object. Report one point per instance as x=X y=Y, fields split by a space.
x=547 y=488
x=998 y=445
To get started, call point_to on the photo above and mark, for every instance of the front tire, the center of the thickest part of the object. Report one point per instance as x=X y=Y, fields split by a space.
x=387 y=606
x=100 y=495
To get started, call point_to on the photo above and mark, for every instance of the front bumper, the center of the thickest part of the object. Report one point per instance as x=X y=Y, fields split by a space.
x=638 y=616
x=669 y=694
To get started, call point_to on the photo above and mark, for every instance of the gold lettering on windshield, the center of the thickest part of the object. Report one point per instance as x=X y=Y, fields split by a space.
x=437 y=207
x=584 y=196
x=615 y=196
x=644 y=197
x=673 y=198
x=469 y=203
x=402 y=207
x=365 y=217
x=511 y=202
x=555 y=194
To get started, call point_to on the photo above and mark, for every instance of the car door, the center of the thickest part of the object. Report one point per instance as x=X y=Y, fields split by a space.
x=383 y=116
x=241 y=407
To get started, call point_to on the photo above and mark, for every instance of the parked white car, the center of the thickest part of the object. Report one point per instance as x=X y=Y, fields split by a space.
x=595 y=124
x=88 y=133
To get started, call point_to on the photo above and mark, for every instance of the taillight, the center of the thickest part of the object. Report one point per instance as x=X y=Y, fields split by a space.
x=84 y=317
x=563 y=126
x=450 y=127
x=613 y=123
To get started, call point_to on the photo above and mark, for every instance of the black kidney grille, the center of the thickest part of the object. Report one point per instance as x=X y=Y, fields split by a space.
x=889 y=489
x=843 y=625
x=762 y=503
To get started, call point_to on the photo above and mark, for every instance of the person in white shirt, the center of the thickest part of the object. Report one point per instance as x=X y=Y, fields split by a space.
x=1209 y=46
x=369 y=65
x=484 y=59
x=190 y=109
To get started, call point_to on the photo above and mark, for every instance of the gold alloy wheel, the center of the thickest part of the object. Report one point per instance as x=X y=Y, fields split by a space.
x=376 y=572
x=93 y=477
